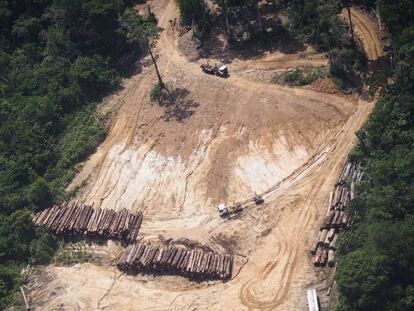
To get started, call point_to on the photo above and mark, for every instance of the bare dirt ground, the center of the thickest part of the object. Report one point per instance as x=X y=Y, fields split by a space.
x=275 y=60
x=227 y=139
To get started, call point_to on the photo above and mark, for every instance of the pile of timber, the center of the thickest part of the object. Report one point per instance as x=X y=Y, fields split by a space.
x=336 y=219
x=345 y=188
x=176 y=259
x=83 y=219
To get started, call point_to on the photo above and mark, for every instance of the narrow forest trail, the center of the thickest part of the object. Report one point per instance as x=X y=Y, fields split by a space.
x=236 y=137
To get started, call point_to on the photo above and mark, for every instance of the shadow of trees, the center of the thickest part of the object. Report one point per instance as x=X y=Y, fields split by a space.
x=177 y=106
x=255 y=44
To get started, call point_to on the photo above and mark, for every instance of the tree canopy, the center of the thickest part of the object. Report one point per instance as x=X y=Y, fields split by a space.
x=375 y=270
x=57 y=59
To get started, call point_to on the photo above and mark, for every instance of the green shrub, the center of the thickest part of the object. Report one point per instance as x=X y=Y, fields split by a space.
x=70 y=254
x=294 y=77
x=305 y=76
x=158 y=93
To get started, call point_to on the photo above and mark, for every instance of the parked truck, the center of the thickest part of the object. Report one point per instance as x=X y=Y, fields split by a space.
x=221 y=71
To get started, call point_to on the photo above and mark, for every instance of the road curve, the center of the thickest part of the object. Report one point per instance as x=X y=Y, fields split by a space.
x=367 y=33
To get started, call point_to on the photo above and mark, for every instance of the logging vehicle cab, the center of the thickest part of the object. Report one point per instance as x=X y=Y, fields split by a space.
x=223 y=211
x=221 y=71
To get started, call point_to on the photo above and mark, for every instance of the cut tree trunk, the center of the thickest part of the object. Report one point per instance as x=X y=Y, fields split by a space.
x=259 y=16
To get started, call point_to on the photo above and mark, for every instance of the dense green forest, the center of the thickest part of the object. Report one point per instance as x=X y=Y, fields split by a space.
x=57 y=60
x=376 y=271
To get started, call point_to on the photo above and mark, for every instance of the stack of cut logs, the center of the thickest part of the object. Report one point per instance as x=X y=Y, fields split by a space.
x=336 y=219
x=74 y=218
x=175 y=259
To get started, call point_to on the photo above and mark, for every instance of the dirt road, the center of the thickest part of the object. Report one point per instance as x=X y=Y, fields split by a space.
x=277 y=61
x=228 y=139
x=367 y=32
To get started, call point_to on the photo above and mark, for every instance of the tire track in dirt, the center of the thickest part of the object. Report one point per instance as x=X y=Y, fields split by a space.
x=289 y=258
x=180 y=62
x=118 y=129
x=308 y=209
x=367 y=33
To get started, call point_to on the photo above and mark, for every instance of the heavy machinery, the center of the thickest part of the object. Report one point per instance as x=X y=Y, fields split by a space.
x=223 y=211
x=227 y=211
x=221 y=71
x=238 y=208
x=258 y=199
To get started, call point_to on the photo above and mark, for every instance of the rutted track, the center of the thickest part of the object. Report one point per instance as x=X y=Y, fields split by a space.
x=367 y=32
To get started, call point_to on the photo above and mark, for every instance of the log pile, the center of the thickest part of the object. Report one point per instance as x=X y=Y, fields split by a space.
x=176 y=259
x=336 y=219
x=83 y=219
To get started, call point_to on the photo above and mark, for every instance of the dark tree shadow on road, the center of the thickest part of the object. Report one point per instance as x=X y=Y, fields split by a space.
x=177 y=106
x=181 y=110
